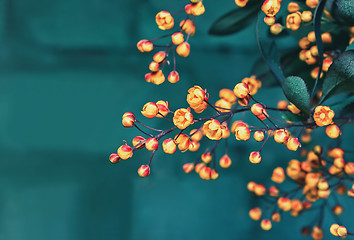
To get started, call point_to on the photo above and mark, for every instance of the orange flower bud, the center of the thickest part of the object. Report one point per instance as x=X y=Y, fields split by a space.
x=333 y=131
x=188 y=167
x=276 y=28
x=276 y=217
x=296 y=205
x=188 y=26
x=293 y=7
x=125 y=152
x=177 y=38
x=349 y=168
x=250 y=186
x=309 y=58
x=214 y=174
x=292 y=108
x=164 y=20
x=242 y=133
x=314 y=73
x=225 y=161
x=259 y=190
x=311 y=179
x=255 y=213
x=282 y=104
x=173 y=77
x=278 y=175
x=163 y=108
x=182 y=118
x=169 y=146
x=271 y=7
x=183 y=49
x=195 y=98
x=293 y=21
x=241 y=3
x=341 y=189
x=151 y=144
x=339 y=163
x=154 y=66
x=183 y=142
x=306 y=16
x=337 y=210
x=311 y=36
x=225 y=130
x=284 y=204
x=150 y=110
x=212 y=129
x=326 y=37
x=253 y=84
x=312 y=3
x=194 y=146
x=333 y=229
x=114 y=158
x=138 y=142
x=237 y=124
x=323 y=193
x=266 y=224
x=258 y=136
x=195 y=9
x=223 y=105
x=350 y=193
x=206 y=157
x=159 y=57
x=148 y=77
x=323 y=116
x=228 y=95
x=281 y=135
x=334 y=170
x=342 y=232
x=322 y=184
x=257 y=109
x=145 y=46
x=241 y=90
x=327 y=62
x=199 y=167
x=269 y=20
x=157 y=77
x=196 y=135
x=306 y=138
x=304 y=43
x=335 y=153
x=144 y=171
x=255 y=157
x=293 y=143
x=205 y=173
x=273 y=191
x=128 y=119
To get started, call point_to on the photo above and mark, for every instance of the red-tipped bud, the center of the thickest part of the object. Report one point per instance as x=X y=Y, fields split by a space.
x=205 y=173
x=151 y=144
x=159 y=57
x=214 y=174
x=349 y=168
x=266 y=224
x=188 y=167
x=150 y=110
x=281 y=135
x=177 y=38
x=293 y=143
x=258 y=136
x=199 y=167
x=241 y=90
x=206 y=157
x=255 y=213
x=278 y=175
x=144 y=171
x=225 y=161
x=183 y=49
x=114 y=158
x=128 y=119
x=173 y=77
x=138 y=142
x=169 y=146
x=255 y=157
x=163 y=108
x=125 y=152
x=333 y=131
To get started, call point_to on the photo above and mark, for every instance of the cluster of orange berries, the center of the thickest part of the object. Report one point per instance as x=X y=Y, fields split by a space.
x=165 y=21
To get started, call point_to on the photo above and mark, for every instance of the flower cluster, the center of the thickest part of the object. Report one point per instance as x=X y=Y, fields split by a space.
x=319 y=173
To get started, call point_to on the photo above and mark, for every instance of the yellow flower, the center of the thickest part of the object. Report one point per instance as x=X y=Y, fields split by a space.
x=323 y=116
x=212 y=129
x=164 y=20
x=195 y=98
x=182 y=118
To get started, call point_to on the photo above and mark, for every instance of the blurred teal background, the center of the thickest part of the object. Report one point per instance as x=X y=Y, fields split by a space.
x=68 y=71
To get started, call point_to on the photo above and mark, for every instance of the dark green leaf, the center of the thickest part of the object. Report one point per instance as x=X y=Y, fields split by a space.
x=339 y=106
x=235 y=20
x=340 y=76
x=296 y=92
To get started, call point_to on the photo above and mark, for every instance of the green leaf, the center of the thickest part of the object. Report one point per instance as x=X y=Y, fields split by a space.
x=235 y=20
x=340 y=76
x=296 y=92
x=341 y=105
x=288 y=116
